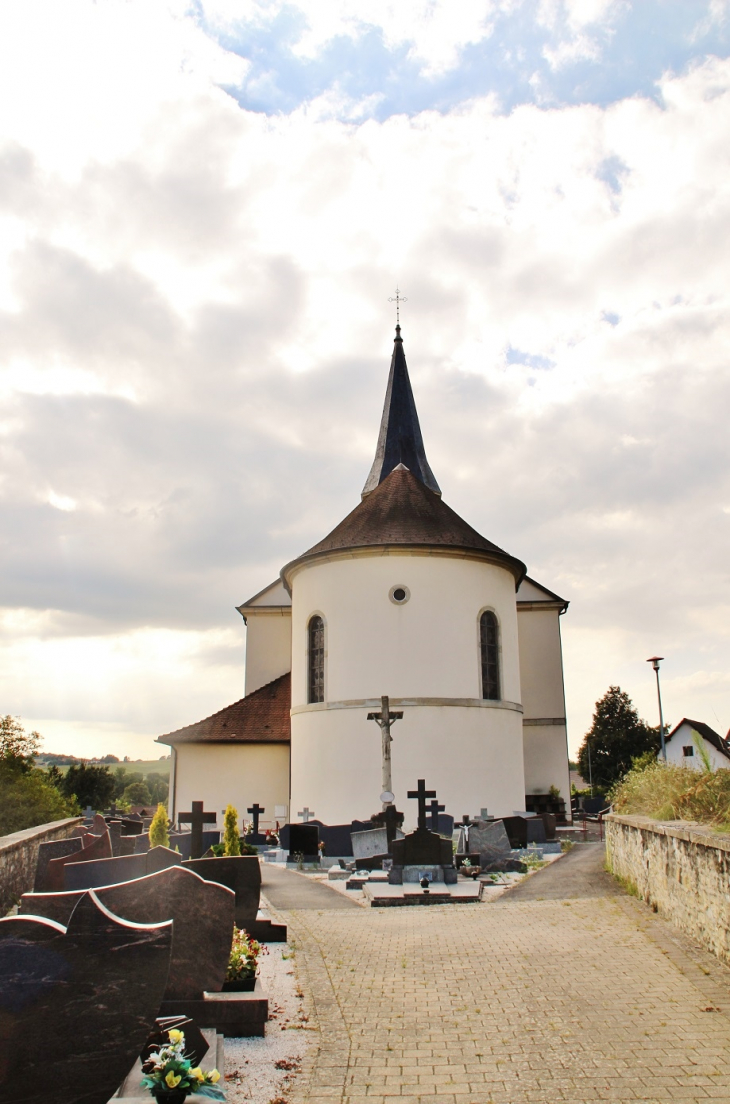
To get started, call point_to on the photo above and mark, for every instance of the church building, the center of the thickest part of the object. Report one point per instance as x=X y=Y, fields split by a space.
x=402 y=598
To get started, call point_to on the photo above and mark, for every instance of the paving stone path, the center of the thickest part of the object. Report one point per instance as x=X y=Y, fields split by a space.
x=540 y=997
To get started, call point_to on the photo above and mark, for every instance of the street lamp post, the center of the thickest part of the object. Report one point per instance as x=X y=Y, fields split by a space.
x=655 y=661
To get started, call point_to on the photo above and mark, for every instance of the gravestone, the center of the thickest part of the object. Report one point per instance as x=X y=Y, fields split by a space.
x=422 y=848
x=182 y=841
x=304 y=840
x=306 y=814
x=433 y=810
x=335 y=837
x=76 y=1003
x=124 y=868
x=54 y=849
x=202 y=913
x=94 y=847
x=516 y=829
x=490 y=841
x=388 y=818
x=196 y=818
x=536 y=830
x=241 y=873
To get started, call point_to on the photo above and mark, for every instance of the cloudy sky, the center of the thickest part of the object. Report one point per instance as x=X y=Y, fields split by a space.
x=203 y=210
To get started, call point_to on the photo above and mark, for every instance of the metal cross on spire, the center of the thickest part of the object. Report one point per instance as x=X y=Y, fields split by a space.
x=398 y=299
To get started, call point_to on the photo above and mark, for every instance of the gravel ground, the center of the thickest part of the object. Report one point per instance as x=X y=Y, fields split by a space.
x=263 y=1071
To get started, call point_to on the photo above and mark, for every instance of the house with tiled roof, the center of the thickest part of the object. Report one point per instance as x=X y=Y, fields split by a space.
x=684 y=742
x=402 y=598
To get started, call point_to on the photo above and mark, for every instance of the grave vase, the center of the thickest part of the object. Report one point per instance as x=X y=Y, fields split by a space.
x=170 y=1096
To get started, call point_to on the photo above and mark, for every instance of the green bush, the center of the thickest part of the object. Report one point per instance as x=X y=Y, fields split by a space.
x=231 y=838
x=159 y=833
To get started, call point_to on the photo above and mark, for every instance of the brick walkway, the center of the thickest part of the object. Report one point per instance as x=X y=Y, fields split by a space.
x=514 y=1002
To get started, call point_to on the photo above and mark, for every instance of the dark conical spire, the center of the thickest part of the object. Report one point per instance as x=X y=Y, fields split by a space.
x=399 y=441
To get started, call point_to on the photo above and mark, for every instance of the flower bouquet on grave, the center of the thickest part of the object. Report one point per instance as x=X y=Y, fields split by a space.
x=243 y=963
x=169 y=1075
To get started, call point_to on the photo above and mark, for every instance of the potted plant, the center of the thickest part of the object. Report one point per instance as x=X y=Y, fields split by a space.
x=242 y=964
x=170 y=1077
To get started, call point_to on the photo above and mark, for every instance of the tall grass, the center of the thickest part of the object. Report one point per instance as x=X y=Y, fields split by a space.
x=668 y=792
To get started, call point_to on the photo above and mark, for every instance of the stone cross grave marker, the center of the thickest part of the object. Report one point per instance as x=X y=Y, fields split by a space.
x=421 y=795
x=305 y=814
x=196 y=818
x=88 y=813
x=256 y=810
x=484 y=814
x=434 y=810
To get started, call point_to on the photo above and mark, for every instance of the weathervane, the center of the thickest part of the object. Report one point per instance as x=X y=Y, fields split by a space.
x=398 y=299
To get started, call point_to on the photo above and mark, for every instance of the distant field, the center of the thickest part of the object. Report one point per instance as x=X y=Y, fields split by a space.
x=145 y=766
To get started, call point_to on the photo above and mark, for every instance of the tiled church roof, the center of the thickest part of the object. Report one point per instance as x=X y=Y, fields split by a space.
x=260 y=717
x=403 y=511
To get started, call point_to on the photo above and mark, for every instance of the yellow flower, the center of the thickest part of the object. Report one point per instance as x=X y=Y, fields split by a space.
x=214 y=1076
x=176 y=1036
x=171 y=1080
x=198 y=1073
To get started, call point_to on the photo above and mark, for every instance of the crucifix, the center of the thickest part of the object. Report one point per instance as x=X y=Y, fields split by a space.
x=113 y=811
x=384 y=719
x=465 y=824
x=434 y=809
x=422 y=795
x=305 y=814
x=256 y=811
x=196 y=819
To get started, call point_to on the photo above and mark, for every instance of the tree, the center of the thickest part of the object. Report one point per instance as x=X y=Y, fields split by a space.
x=138 y=794
x=90 y=785
x=28 y=799
x=158 y=786
x=16 y=745
x=231 y=838
x=616 y=737
x=159 y=833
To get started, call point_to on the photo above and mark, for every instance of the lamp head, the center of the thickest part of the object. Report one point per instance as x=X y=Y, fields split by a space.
x=655 y=661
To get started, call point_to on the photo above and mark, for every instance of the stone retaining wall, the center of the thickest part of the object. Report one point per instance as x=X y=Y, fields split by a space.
x=19 y=854
x=682 y=870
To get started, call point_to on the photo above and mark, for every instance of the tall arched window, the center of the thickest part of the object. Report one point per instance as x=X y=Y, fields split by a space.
x=316 y=660
x=489 y=633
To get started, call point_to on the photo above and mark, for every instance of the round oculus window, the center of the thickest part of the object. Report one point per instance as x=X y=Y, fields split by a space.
x=399 y=594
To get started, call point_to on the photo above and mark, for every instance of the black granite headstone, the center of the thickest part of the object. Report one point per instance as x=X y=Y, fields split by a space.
x=422 y=848
x=535 y=830
x=94 y=847
x=304 y=840
x=516 y=829
x=76 y=1003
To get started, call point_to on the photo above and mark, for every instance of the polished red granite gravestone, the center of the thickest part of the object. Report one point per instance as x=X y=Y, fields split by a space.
x=76 y=1003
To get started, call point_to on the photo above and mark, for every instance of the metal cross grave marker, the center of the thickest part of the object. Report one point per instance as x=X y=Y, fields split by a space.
x=384 y=719
x=421 y=795
x=196 y=818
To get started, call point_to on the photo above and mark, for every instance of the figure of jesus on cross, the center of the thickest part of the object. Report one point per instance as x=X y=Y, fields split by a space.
x=384 y=719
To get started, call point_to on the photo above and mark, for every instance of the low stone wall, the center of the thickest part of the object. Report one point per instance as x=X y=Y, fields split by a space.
x=682 y=870
x=19 y=854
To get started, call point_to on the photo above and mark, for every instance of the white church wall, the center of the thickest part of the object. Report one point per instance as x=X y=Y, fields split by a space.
x=428 y=646
x=541 y=664
x=471 y=755
x=268 y=647
x=546 y=760
x=236 y=774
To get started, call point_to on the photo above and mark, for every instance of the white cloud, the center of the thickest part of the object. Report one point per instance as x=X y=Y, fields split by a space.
x=196 y=336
